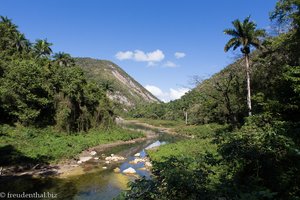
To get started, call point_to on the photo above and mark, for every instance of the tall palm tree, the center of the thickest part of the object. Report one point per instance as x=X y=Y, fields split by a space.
x=64 y=59
x=245 y=35
x=8 y=23
x=42 y=48
x=7 y=31
x=19 y=42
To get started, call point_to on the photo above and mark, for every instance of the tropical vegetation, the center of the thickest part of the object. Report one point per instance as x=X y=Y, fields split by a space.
x=49 y=108
x=253 y=151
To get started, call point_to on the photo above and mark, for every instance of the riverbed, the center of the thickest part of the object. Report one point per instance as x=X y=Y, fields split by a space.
x=97 y=179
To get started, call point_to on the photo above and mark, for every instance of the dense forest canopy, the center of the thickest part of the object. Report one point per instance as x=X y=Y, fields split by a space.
x=40 y=89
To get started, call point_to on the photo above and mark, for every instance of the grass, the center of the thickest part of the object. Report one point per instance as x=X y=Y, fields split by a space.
x=200 y=144
x=161 y=123
x=202 y=131
x=200 y=148
x=186 y=148
x=52 y=146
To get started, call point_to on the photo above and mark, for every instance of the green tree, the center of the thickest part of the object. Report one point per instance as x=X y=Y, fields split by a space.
x=64 y=59
x=246 y=35
x=7 y=32
x=20 y=43
x=42 y=48
x=287 y=11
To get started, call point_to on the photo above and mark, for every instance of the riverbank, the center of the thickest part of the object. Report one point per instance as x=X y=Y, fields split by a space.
x=64 y=151
x=33 y=151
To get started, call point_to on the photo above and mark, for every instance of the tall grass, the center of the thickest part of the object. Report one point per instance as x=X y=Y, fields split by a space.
x=48 y=143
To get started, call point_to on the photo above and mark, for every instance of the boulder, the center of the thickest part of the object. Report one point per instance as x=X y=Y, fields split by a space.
x=148 y=164
x=137 y=160
x=84 y=159
x=114 y=158
x=92 y=153
x=129 y=170
x=137 y=155
x=117 y=170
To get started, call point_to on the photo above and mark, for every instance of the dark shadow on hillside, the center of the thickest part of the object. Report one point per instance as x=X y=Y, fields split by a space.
x=18 y=174
x=61 y=188
x=13 y=161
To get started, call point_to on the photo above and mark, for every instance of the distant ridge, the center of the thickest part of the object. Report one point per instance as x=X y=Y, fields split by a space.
x=126 y=90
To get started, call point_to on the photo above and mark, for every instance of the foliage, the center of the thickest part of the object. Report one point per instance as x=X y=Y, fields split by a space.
x=52 y=145
x=39 y=91
x=263 y=157
x=172 y=180
x=254 y=157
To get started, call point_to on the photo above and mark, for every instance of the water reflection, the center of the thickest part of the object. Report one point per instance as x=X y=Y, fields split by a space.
x=96 y=183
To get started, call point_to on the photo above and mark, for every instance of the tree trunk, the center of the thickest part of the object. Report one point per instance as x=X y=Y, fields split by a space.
x=248 y=85
x=186 y=117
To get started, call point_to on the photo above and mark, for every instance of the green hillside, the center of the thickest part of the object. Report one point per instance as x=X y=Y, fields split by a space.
x=122 y=88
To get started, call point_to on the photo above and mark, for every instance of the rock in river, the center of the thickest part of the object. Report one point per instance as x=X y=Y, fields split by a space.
x=137 y=155
x=129 y=170
x=114 y=158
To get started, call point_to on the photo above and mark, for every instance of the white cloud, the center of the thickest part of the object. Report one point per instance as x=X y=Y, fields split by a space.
x=140 y=56
x=179 y=55
x=177 y=93
x=124 y=55
x=166 y=96
x=156 y=91
x=170 y=64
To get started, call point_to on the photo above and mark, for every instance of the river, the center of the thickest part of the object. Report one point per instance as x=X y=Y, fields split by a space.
x=99 y=181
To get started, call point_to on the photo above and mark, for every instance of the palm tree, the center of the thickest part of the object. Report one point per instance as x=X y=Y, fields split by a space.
x=42 y=48
x=7 y=31
x=20 y=42
x=64 y=59
x=8 y=24
x=245 y=35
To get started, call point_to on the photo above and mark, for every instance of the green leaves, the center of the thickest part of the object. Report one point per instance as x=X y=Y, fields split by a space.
x=244 y=34
x=24 y=93
x=42 y=48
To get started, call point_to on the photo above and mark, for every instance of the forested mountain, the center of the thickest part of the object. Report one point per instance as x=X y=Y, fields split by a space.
x=41 y=89
x=256 y=102
x=120 y=87
x=222 y=97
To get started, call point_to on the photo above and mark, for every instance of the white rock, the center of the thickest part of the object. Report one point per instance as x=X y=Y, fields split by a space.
x=129 y=170
x=137 y=155
x=104 y=167
x=107 y=162
x=84 y=159
x=114 y=158
x=92 y=153
x=79 y=162
x=96 y=158
x=112 y=155
x=148 y=164
x=137 y=160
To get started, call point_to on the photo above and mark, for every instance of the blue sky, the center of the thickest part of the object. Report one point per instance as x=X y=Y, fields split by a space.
x=141 y=36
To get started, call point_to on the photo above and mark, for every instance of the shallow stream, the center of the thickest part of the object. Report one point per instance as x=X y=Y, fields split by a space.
x=99 y=181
